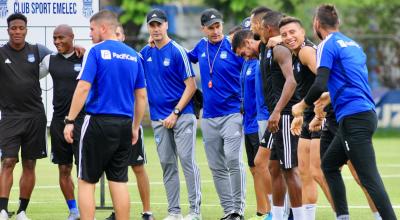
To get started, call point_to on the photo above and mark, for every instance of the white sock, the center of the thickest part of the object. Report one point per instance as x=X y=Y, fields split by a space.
x=298 y=213
x=377 y=216
x=277 y=212
x=343 y=217
x=270 y=198
x=309 y=211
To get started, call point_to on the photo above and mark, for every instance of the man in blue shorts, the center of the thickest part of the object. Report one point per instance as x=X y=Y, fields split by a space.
x=222 y=122
x=112 y=88
x=171 y=85
x=341 y=66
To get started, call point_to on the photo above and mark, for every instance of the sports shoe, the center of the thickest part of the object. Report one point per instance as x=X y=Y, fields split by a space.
x=111 y=217
x=3 y=215
x=236 y=216
x=73 y=216
x=226 y=216
x=147 y=216
x=22 y=216
x=192 y=216
x=173 y=216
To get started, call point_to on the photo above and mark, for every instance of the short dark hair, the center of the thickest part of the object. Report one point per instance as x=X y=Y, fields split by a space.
x=106 y=15
x=239 y=37
x=16 y=16
x=272 y=19
x=260 y=10
x=288 y=19
x=234 y=29
x=327 y=16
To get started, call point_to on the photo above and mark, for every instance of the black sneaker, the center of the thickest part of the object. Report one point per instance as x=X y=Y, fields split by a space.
x=111 y=217
x=147 y=216
x=226 y=216
x=236 y=216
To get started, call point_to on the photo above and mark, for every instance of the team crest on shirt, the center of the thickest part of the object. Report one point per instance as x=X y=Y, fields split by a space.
x=31 y=58
x=203 y=54
x=166 y=62
x=77 y=67
x=248 y=72
x=224 y=54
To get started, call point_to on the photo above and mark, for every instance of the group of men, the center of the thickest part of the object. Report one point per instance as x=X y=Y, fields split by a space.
x=265 y=85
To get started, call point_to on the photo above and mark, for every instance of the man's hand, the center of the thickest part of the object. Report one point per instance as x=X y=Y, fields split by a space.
x=316 y=124
x=298 y=109
x=151 y=43
x=68 y=133
x=170 y=121
x=273 y=41
x=79 y=50
x=273 y=122
x=321 y=103
x=135 y=135
x=296 y=126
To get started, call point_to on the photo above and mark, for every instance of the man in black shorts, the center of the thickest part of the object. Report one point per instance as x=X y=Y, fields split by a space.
x=22 y=115
x=63 y=68
x=111 y=83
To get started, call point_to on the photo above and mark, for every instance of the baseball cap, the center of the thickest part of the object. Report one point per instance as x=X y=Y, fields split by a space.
x=210 y=16
x=156 y=15
x=246 y=24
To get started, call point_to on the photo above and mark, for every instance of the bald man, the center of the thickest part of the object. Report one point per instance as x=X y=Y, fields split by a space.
x=64 y=68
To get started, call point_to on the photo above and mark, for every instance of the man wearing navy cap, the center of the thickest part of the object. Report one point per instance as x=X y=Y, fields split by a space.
x=222 y=121
x=171 y=86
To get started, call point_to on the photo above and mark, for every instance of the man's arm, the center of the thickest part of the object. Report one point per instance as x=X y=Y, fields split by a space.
x=308 y=57
x=44 y=66
x=140 y=106
x=283 y=57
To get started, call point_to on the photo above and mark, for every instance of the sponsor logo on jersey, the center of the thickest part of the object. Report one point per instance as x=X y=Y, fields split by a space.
x=105 y=54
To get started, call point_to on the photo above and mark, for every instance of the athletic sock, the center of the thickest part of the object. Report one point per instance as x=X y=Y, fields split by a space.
x=270 y=198
x=4 y=204
x=343 y=217
x=298 y=213
x=23 y=204
x=309 y=211
x=73 y=208
x=277 y=212
x=377 y=216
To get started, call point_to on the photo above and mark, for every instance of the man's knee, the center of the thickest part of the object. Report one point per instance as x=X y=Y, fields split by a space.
x=274 y=168
x=8 y=164
x=138 y=169
x=28 y=165
x=65 y=170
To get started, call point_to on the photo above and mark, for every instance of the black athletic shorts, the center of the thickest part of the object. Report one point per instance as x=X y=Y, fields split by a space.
x=327 y=134
x=305 y=131
x=251 y=142
x=284 y=147
x=267 y=140
x=138 y=155
x=62 y=153
x=105 y=146
x=29 y=134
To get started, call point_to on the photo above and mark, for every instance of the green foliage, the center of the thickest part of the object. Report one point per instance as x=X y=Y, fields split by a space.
x=135 y=10
x=233 y=9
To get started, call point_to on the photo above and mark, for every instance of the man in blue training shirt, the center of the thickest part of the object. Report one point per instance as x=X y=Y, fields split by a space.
x=341 y=65
x=222 y=121
x=171 y=85
x=112 y=84
x=244 y=45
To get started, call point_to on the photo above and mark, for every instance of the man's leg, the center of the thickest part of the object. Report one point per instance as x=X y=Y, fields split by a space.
x=232 y=134
x=166 y=150
x=213 y=144
x=278 y=187
x=262 y=180
x=86 y=200
x=143 y=185
x=26 y=183
x=120 y=197
x=67 y=187
x=6 y=181
x=185 y=139
x=357 y=133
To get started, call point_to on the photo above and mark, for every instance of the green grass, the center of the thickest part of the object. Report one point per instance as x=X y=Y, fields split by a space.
x=47 y=202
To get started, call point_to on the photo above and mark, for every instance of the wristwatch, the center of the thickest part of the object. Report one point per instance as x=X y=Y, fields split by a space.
x=177 y=111
x=68 y=121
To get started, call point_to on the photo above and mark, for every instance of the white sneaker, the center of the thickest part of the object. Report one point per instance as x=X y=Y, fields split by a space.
x=192 y=216
x=22 y=216
x=73 y=216
x=3 y=215
x=172 y=216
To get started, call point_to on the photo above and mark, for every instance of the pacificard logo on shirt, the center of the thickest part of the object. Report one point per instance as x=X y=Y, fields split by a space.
x=107 y=55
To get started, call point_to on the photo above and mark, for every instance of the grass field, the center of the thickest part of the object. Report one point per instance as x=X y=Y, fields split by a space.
x=47 y=202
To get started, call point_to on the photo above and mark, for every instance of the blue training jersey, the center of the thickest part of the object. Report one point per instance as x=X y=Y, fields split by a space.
x=166 y=69
x=223 y=98
x=348 y=79
x=247 y=78
x=262 y=109
x=114 y=70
